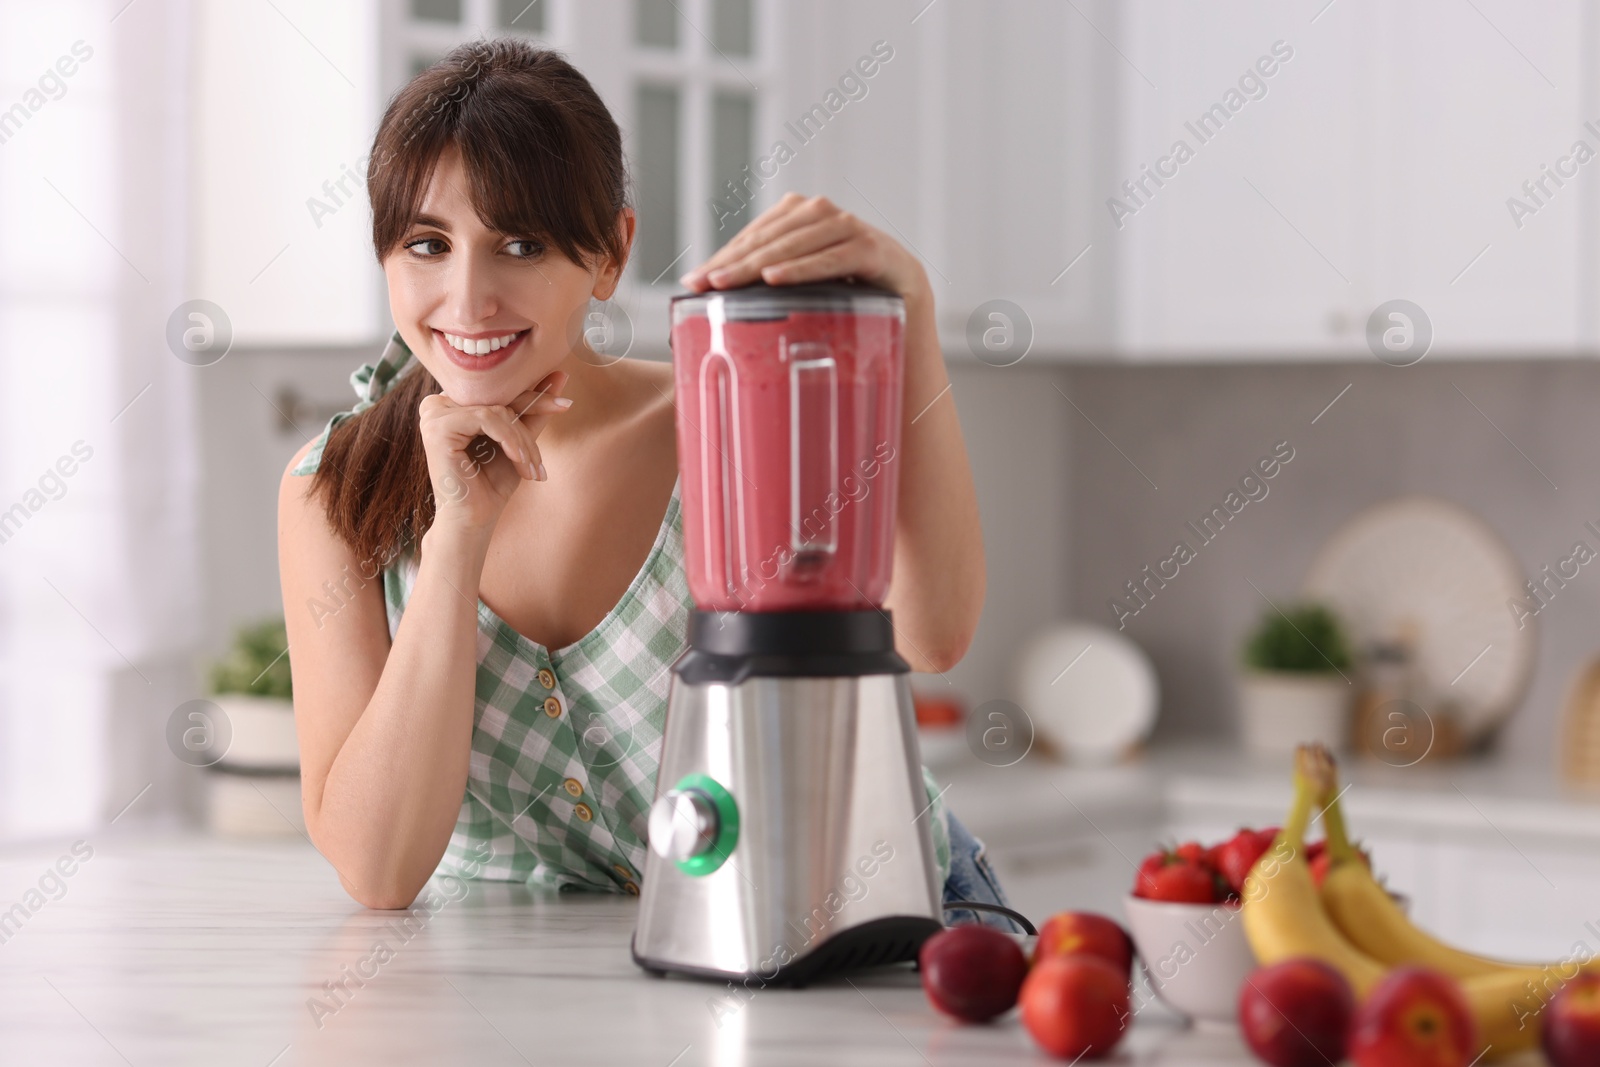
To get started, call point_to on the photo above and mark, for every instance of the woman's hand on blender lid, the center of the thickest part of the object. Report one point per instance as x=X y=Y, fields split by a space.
x=802 y=239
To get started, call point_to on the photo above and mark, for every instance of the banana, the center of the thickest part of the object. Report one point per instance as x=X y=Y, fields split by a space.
x=1368 y=916
x=1507 y=1005
x=1505 y=999
x=1282 y=914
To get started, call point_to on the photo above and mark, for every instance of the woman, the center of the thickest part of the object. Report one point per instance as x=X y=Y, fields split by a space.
x=483 y=575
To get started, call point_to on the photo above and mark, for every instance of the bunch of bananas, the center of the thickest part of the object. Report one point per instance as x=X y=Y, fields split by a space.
x=1355 y=926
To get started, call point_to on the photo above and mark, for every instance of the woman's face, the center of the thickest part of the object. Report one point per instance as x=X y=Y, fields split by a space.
x=486 y=312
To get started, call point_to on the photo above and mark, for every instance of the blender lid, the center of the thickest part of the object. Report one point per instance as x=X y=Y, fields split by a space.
x=762 y=301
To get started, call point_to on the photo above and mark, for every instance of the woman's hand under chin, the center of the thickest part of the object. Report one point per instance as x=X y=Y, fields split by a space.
x=478 y=454
x=807 y=240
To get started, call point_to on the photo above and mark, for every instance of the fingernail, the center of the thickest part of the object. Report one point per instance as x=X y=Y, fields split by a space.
x=719 y=275
x=540 y=470
x=688 y=280
x=563 y=402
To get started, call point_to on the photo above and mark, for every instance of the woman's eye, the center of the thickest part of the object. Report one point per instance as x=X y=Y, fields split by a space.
x=525 y=249
x=426 y=247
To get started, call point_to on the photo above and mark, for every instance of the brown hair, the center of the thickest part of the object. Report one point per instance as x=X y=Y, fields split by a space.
x=543 y=159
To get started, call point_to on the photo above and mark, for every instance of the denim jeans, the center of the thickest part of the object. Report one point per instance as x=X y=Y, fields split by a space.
x=972 y=878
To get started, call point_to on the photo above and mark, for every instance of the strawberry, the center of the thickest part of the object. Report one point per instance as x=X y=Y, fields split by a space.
x=1183 y=882
x=1172 y=876
x=1235 y=856
x=1145 y=879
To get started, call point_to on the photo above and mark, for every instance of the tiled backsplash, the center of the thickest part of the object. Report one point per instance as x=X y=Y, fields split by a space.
x=1516 y=442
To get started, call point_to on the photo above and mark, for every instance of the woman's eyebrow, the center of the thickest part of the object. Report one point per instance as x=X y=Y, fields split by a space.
x=431 y=220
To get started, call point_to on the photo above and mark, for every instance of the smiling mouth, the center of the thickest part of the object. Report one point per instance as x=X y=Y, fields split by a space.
x=480 y=346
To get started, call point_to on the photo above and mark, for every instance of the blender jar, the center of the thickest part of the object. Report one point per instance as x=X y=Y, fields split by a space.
x=788 y=426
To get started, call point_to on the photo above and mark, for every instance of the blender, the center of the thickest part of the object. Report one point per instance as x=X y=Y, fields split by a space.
x=790 y=833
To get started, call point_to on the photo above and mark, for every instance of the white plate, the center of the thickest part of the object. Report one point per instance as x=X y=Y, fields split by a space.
x=1090 y=690
x=1430 y=563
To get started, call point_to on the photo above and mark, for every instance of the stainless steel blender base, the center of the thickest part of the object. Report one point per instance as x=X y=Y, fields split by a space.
x=832 y=865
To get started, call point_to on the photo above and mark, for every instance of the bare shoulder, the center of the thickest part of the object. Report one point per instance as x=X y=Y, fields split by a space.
x=649 y=431
x=657 y=372
x=294 y=490
x=650 y=383
x=305 y=537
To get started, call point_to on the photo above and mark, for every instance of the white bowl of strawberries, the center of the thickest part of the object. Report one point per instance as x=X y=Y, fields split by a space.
x=1183 y=914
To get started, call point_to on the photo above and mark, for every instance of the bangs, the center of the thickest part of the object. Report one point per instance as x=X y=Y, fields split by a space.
x=534 y=166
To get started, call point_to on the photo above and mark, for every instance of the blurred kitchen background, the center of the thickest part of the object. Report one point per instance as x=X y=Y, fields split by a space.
x=1166 y=239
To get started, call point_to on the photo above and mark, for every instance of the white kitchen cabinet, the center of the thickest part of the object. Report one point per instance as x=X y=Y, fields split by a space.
x=1376 y=164
x=285 y=103
x=1336 y=156
x=1248 y=242
x=1011 y=164
x=1532 y=902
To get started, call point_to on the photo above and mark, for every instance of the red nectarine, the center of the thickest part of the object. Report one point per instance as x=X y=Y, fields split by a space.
x=1067 y=933
x=1414 y=1017
x=1075 y=1006
x=972 y=972
x=1295 y=1013
x=1571 y=1027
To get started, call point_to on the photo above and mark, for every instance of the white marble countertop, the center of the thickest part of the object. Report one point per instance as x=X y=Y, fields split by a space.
x=173 y=949
x=166 y=948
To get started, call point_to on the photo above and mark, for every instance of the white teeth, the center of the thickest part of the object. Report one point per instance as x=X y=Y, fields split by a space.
x=479 y=346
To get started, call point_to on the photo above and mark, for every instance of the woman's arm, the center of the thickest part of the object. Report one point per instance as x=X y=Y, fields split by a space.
x=937 y=591
x=385 y=732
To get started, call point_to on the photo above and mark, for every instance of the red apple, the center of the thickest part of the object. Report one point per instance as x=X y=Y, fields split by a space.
x=972 y=972
x=1571 y=1027
x=1070 y=932
x=1296 y=1013
x=1414 y=1017
x=1075 y=1006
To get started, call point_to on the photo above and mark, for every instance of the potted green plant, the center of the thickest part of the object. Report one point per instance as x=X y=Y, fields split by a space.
x=256 y=665
x=255 y=776
x=1297 y=683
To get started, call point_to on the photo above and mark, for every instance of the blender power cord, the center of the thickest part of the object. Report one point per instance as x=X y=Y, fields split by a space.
x=1015 y=916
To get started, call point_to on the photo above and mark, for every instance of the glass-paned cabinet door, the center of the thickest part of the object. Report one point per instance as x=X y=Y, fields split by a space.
x=657 y=109
x=700 y=72
x=520 y=16
x=417 y=33
x=447 y=11
x=732 y=150
x=655 y=23
x=733 y=27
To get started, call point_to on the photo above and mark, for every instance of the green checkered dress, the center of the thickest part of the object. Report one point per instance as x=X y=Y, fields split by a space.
x=566 y=742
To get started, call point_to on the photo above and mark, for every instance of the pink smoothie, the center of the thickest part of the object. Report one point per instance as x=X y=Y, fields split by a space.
x=788 y=447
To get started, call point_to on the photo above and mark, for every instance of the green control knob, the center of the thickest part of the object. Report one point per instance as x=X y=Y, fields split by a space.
x=695 y=824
